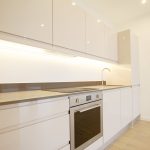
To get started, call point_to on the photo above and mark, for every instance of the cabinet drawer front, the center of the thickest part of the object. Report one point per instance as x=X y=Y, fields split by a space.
x=30 y=111
x=48 y=135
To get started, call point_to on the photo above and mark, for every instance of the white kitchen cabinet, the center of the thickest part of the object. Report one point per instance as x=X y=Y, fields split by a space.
x=111 y=50
x=39 y=124
x=47 y=135
x=95 y=33
x=111 y=113
x=16 y=114
x=31 y=19
x=126 y=106
x=136 y=101
x=68 y=25
x=96 y=145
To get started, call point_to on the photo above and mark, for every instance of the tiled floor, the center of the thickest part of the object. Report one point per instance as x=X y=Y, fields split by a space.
x=136 y=138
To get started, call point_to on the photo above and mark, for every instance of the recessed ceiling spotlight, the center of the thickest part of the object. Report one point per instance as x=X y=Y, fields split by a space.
x=144 y=1
x=73 y=3
x=98 y=20
x=42 y=25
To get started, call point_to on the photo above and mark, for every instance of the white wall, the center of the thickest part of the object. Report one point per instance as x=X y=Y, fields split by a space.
x=25 y=64
x=141 y=27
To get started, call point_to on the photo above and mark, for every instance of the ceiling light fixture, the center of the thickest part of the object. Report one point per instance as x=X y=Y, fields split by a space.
x=98 y=20
x=73 y=3
x=144 y=1
x=42 y=25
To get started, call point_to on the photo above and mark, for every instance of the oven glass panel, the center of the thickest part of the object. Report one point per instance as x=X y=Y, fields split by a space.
x=87 y=125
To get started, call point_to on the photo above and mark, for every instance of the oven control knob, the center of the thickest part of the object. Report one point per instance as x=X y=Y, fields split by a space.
x=77 y=100
x=97 y=96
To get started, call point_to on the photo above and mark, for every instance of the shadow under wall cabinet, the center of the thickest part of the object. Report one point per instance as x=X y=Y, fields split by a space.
x=58 y=26
x=37 y=125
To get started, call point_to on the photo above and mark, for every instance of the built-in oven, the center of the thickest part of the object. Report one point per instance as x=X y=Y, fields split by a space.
x=85 y=119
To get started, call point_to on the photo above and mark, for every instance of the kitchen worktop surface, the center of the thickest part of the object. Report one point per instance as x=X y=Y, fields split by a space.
x=24 y=96
x=107 y=87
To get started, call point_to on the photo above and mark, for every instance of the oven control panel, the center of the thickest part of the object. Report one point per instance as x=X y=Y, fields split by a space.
x=88 y=98
x=83 y=98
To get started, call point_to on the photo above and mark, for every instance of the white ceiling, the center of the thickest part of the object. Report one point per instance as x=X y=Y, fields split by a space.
x=118 y=12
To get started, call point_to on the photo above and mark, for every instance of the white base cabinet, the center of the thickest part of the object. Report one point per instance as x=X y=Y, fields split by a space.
x=48 y=135
x=111 y=113
x=126 y=106
x=68 y=25
x=136 y=101
x=38 y=125
x=66 y=147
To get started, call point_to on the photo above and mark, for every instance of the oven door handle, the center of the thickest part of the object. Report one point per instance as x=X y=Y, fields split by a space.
x=89 y=108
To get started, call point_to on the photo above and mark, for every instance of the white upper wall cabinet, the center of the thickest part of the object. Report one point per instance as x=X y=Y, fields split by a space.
x=111 y=50
x=68 y=25
x=60 y=23
x=101 y=40
x=95 y=33
x=31 y=19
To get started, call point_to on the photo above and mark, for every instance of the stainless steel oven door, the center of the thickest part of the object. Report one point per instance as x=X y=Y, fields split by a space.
x=86 y=124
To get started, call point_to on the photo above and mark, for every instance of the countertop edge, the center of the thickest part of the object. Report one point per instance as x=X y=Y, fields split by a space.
x=63 y=95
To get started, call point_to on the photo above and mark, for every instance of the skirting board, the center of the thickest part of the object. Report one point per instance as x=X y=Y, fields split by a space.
x=111 y=141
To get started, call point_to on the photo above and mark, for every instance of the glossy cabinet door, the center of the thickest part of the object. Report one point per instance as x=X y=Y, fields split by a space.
x=136 y=101
x=111 y=113
x=95 y=33
x=126 y=106
x=27 y=18
x=110 y=51
x=68 y=25
x=51 y=134
x=101 y=40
